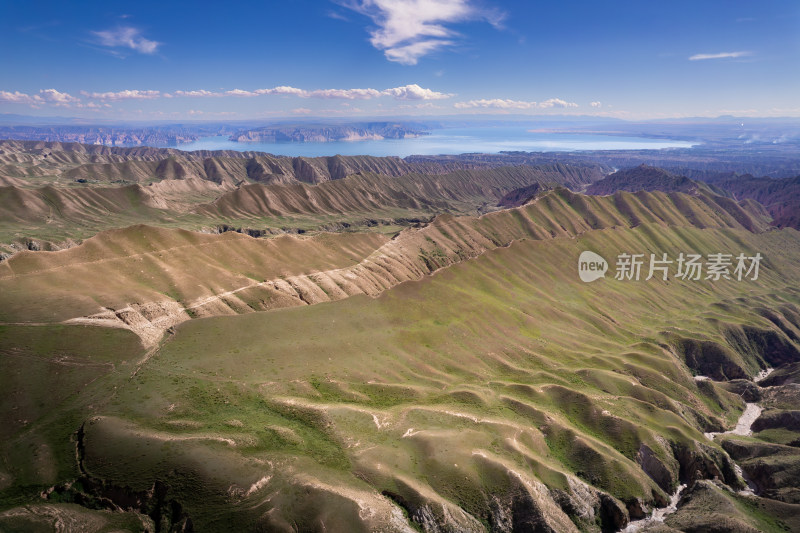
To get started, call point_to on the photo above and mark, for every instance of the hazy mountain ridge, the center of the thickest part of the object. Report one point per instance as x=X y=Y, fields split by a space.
x=109 y=135
x=175 y=134
x=781 y=197
x=778 y=160
x=357 y=131
x=647 y=178
x=55 y=194
x=31 y=159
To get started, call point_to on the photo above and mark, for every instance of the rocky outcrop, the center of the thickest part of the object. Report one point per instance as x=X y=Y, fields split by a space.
x=778 y=419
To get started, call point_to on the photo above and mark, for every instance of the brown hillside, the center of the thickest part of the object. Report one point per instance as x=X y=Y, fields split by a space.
x=160 y=276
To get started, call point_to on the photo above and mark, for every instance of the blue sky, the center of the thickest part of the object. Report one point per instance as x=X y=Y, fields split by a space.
x=353 y=58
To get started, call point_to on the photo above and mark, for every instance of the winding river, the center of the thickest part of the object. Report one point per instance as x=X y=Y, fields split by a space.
x=743 y=428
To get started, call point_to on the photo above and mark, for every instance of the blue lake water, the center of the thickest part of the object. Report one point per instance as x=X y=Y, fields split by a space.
x=447 y=141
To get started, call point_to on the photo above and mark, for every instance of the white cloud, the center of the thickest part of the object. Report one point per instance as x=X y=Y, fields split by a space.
x=596 y=104
x=301 y=111
x=57 y=98
x=19 y=98
x=348 y=94
x=410 y=53
x=410 y=29
x=234 y=92
x=280 y=90
x=126 y=37
x=45 y=96
x=556 y=102
x=407 y=92
x=415 y=92
x=721 y=55
x=123 y=95
x=500 y=103
x=283 y=90
x=194 y=94
x=496 y=103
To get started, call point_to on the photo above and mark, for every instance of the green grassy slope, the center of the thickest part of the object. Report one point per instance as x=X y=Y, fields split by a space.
x=149 y=278
x=501 y=390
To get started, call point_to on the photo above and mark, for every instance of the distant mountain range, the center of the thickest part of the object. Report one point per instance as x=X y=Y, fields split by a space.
x=176 y=134
x=779 y=196
x=171 y=135
x=331 y=132
x=645 y=178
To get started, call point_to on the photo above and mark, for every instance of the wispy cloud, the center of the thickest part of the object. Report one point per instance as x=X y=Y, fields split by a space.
x=596 y=104
x=406 y=92
x=499 y=103
x=495 y=103
x=126 y=37
x=410 y=29
x=94 y=105
x=45 y=96
x=347 y=94
x=721 y=55
x=95 y=100
x=283 y=90
x=55 y=97
x=337 y=16
x=200 y=93
x=18 y=98
x=123 y=95
x=556 y=102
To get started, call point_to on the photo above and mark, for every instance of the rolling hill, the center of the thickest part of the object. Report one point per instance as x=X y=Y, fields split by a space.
x=389 y=345
x=534 y=402
x=57 y=194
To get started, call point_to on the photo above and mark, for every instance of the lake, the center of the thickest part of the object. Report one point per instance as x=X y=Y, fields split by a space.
x=447 y=141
